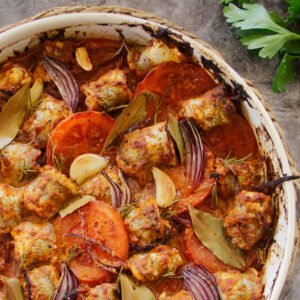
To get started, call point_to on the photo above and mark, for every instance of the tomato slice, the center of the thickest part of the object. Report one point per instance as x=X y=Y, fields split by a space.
x=202 y=192
x=235 y=138
x=100 y=235
x=83 y=132
x=196 y=252
x=173 y=83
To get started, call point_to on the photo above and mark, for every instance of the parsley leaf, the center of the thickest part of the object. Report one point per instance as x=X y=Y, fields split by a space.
x=269 y=44
x=267 y=34
x=285 y=73
x=292 y=48
x=255 y=17
x=294 y=10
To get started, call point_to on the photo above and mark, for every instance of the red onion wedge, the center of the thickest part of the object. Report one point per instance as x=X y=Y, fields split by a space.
x=200 y=283
x=67 y=286
x=126 y=197
x=194 y=153
x=119 y=196
x=64 y=80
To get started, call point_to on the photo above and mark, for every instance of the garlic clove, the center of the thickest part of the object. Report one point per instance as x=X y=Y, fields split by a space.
x=82 y=58
x=165 y=188
x=86 y=166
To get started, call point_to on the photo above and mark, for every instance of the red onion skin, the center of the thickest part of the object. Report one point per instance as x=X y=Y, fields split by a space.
x=28 y=288
x=116 y=194
x=64 y=80
x=126 y=197
x=194 y=153
x=119 y=197
x=68 y=285
x=200 y=283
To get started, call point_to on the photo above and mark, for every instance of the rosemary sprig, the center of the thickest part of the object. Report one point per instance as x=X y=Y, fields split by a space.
x=235 y=161
x=203 y=187
x=57 y=161
x=119 y=275
x=119 y=51
x=172 y=275
x=26 y=170
x=126 y=209
x=119 y=280
x=214 y=196
x=22 y=262
x=230 y=161
x=116 y=108
x=72 y=253
x=169 y=275
x=156 y=101
x=169 y=212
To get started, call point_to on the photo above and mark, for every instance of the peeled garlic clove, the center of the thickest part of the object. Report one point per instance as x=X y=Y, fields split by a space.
x=86 y=166
x=76 y=204
x=83 y=59
x=165 y=188
x=36 y=90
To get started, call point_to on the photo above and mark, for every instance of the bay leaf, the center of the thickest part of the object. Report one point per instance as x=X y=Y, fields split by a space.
x=173 y=127
x=126 y=287
x=134 y=112
x=13 y=289
x=12 y=115
x=132 y=291
x=211 y=233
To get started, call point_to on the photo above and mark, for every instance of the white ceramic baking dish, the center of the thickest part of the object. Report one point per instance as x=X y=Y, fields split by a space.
x=138 y=27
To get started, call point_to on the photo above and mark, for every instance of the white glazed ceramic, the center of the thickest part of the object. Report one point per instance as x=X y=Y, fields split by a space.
x=91 y=24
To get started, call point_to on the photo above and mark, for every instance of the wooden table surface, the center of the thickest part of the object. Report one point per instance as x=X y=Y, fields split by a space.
x=204 y=18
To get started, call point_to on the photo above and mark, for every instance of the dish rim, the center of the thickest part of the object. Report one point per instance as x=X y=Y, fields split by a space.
x=29 y=27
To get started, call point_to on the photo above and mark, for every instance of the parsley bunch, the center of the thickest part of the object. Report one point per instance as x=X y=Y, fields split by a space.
x=268 y=34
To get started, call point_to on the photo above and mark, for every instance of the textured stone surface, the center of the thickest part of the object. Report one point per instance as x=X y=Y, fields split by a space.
x=204 y=17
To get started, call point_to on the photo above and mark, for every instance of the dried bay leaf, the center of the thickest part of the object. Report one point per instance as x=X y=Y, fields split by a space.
x=211 y=233
x=12 y=115
x=133 y=113
x=132 y=291
x=13 y=289
x=173 y=128
x=126 y=287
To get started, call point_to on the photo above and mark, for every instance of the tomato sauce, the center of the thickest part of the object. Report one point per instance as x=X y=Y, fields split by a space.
x=236 y=139
x=85 y=132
